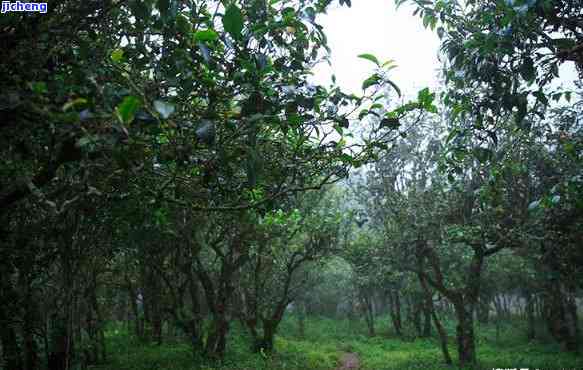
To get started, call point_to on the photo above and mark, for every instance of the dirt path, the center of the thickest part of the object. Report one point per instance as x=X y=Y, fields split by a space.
x=349 y=361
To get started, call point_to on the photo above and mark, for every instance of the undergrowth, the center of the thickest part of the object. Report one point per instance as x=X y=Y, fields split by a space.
x=325 y=341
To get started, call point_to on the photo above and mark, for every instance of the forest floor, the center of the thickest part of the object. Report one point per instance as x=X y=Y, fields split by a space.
x=349 y=361
x=339 y=345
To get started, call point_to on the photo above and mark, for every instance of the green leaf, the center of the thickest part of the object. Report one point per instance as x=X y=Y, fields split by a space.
x=440 y=32
x=165 y=109
x=541 y=97
x=371 y=58
x=395 y=87
x=126 y=110
x=117 y=55
x=206 y=35
x=346 y=158
x=564 y=43
x=453 y=134
x=570 y=149
x=363 y=113
x=568 y=96
x=163 y=7
x=391 y=122
x=527 y=70
x=183 y=24
x=343 y=122
x=522 y=109
x=482 y=154
x=73 y=103
x=140 y=9
x=425 y=97
x=233 y=21
x=84 y=141
x=39 y=87
x=371 y=81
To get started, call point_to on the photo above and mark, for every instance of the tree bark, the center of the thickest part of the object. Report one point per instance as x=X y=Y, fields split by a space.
x=133 y=300
x=464 y=301
x=561 y=318
x=265 y=342
x=196 y=323
x=530 y=331
x=10 y=349
x=443 y=340
x=217 y=339
x=395 y=311
x=301 y=312
x=30 y=319
x=416 y=310
x=218 y=302
x=483 y=310
x=96 y=324
x=427 y=320
x=368 y=309
x=465 y=334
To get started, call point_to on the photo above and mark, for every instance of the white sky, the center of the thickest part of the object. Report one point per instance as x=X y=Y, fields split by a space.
x=376 y=27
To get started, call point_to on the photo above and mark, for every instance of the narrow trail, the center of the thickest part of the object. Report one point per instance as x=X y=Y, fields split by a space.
x=349 y=361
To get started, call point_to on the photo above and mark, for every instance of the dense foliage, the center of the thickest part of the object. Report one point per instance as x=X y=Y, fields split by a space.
x=175 y=184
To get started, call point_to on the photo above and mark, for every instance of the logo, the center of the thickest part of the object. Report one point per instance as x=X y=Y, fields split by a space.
x=9 y=7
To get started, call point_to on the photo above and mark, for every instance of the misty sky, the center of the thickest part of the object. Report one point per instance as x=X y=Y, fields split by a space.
x=377 y=27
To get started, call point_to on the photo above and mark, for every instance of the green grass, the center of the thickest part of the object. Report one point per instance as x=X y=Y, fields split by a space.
x=327 y=339
x=126 y=353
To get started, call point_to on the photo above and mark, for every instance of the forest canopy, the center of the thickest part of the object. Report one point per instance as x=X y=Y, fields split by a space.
x=177 y=191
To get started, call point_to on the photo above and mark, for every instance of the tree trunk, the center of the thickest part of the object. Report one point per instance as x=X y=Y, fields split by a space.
x=395 y=311
x=561 y=320
x=152 y=301
x=265 y=343
x=146 y=294
x=62 y=339
x=443 y=341
x=506 y=305
x=301 y=319
x=416 y=309
x=217 y=338
x=368 y=313
x=61 y=343
x=133 y=299
x=483 y=310
x=10 y=349
x=427 y=320
x=196 y=323
x=96 y=324
x=530 y=332
x=465 y=333
x=464 y=301
x=30 y=319
x=573 y=321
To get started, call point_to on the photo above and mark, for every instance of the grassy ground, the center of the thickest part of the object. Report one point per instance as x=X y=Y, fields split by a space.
x=326 y=340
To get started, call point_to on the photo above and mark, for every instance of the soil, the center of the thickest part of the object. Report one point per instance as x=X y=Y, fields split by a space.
x=349 y=361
